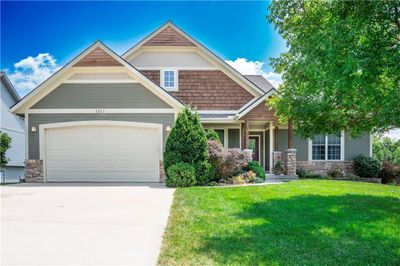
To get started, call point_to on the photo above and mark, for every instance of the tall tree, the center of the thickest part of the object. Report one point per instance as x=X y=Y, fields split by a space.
x=342 y=67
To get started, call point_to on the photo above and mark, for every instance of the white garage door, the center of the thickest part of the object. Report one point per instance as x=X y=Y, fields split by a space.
x=102 y=153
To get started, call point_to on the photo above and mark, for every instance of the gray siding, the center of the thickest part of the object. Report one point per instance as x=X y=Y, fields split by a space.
x=299 y=143
x=354 y=147
x=233 y=138
x=109 y=95
x=38 y=119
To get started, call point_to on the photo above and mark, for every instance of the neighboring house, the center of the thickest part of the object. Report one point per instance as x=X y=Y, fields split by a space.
x=105 y=117
x=14 y=126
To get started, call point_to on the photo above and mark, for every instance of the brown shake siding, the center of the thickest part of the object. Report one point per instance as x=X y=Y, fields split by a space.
x=206 y=89
x=97 y=57
x=261 y=112
x=168 y=37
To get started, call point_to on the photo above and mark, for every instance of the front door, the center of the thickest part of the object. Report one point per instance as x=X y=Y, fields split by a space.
x=254 y=145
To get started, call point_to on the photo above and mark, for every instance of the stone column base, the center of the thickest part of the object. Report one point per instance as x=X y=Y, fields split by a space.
x=162 y=172
x=34 y=171
x=290 y=161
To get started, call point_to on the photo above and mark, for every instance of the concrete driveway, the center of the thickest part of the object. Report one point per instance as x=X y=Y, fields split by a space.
x=70 y=224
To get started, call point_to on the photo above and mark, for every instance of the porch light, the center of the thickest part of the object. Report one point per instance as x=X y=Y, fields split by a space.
x=168 y=128
x=33 y=129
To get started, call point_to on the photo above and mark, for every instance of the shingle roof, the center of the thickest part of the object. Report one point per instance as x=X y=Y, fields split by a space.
x=260 y=82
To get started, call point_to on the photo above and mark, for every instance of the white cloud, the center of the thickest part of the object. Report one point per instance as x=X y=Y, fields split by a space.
x=31 y=71
x=247 y=67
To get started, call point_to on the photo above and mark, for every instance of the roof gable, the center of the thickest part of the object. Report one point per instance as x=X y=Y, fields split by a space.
x=64 y=73
x=168 y=37
x=97 y=57
x=204 y=51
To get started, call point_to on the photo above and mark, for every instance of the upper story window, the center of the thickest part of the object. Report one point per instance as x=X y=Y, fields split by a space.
x=326 y=147
x=169 y=79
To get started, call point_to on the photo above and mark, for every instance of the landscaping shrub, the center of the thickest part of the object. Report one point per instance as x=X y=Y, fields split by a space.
x=278 y=168
x=352 y=176
x=212 y=135
x=336 y=172
x=181 y=175
x=259 y=180
x=389 y=173
x=187 y=143
x=301 y=172
x=224 y=162
x=256 y=168
x=365 y=166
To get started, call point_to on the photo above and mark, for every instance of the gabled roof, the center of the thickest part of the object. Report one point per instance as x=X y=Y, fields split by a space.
x=254 y=103
x=169 y=25
x=9 y=86
x=110 y=58
x=261 y=82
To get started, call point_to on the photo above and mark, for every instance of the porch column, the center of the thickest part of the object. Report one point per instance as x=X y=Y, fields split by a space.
x=290 y=135
x=271 y=145
x=246 y=128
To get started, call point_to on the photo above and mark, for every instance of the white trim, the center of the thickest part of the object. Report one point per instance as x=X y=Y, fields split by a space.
x=44 y=127
x=342 y=147
x=66 y=72
x=271 y=145
x=100 y=81
x=205 y=52
x=264 y=140
x=176 y=79
x=103 y=110
x=180 y=68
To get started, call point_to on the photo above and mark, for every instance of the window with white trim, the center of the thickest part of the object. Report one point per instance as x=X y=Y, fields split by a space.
x=326 y=147
x=169 y=79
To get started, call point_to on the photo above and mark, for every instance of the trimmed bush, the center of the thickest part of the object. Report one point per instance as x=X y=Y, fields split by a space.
x=187 y=143
x=256 y=168
x=301 y=172
x=224 y=162
x=181 y=175
x=365 y=166
x=389 y=173
x=212 y=135
x=336 y=172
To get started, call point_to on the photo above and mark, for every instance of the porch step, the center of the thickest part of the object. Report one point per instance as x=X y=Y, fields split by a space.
x=279 y=178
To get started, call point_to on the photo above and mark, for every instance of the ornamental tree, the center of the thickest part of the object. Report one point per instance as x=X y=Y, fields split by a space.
x=5 y=144
x=187 y=143
x=341 y=70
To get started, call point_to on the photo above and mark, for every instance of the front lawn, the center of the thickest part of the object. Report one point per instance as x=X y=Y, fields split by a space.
x=310 y=222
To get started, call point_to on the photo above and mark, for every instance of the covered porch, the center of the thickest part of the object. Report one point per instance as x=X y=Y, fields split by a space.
x=256 y=127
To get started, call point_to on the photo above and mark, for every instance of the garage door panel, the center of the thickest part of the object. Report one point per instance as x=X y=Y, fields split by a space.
x=102 y=153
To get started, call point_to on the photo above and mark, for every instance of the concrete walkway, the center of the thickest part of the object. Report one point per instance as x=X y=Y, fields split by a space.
x=85 y=224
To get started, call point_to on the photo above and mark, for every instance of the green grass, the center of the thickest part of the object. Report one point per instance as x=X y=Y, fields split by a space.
x=309 y=222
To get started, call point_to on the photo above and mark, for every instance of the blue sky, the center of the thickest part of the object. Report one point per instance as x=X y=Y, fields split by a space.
x=63 y=29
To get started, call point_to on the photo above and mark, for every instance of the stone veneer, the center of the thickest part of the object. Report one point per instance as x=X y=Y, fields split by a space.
x=162 y=172
x=322 y=167
x=34 y=171
x=290 y=161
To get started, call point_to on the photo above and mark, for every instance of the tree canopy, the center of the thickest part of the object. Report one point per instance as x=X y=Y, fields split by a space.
x=342 y=67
